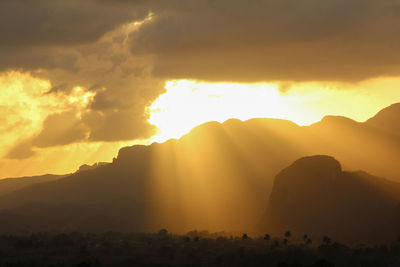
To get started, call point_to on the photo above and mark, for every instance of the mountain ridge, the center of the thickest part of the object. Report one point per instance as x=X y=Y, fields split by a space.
x=315 y=196
x=188 y=183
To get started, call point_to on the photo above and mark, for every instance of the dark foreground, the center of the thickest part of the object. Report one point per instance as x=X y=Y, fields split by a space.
x=193 y=249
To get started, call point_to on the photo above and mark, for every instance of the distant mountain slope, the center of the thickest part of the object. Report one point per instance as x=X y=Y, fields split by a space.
x=181 y=184
x=217 y=177
x=86 y=167
x=314 y=196
x=373 y=146
x=9 y=185
x=387 y=120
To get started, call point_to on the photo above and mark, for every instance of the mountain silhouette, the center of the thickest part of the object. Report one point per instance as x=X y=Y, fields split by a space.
x=314 y=196
x=8 y=185
x=217 y=177
x=86 y=167
x=387 y=120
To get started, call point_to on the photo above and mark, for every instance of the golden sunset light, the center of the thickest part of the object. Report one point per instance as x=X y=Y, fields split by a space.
x=199 y=133
x=184 y=105
x=187 y=104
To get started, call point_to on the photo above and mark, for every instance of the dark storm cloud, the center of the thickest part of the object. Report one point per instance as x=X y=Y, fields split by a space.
x=81 y=43
x=122 y=86
x=35 y=33
x=62 y=22
x=258 y=40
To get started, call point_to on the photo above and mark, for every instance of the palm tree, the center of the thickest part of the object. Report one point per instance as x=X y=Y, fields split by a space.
x=288 y=234
x=327 y=240
x=163 y=232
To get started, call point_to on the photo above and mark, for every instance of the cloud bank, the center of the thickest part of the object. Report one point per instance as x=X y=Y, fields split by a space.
x=261 y=40
x=121 y=53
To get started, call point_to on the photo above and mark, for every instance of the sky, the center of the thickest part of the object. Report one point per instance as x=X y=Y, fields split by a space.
x=81 y=79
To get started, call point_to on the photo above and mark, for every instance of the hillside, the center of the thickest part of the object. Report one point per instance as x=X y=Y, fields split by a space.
x=314 y=196
x=8 y=185
x=217 y=177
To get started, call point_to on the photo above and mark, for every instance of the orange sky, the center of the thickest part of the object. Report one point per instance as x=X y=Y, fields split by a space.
x=185 y=104
x=89 y=77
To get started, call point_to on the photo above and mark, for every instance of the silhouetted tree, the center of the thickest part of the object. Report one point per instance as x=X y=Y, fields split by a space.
x=244 y=236
x=62 y=240
x=323 y=263
x=305 y=237
x=267 y=237
x=288 y=234
x=163 y=232
x=327 y=240
x=219 y=260
x=83 y=264
x=174 y=251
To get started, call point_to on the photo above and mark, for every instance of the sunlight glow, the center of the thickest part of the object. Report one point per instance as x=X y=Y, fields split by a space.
x=25 y=104
x=188 y=103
